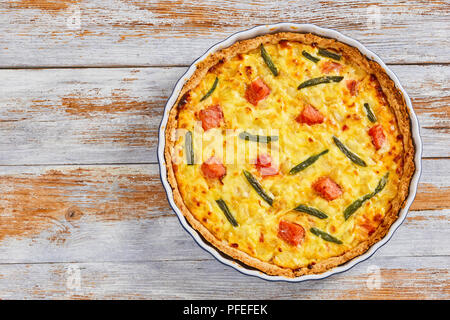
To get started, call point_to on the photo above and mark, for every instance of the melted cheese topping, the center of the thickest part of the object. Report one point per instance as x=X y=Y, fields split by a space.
x=345 y=117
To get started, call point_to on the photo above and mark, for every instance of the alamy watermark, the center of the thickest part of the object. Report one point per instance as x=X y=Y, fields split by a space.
x=73 y=280
x=373 y=14
x=374 y=279
x=73 y=21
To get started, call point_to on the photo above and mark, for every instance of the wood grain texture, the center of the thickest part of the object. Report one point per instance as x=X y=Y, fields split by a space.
x=161 y=237
x=120 y=213
x=82 y=115
x=80 y=192
x=136 y=32
x=426 y=278
x=112 y=115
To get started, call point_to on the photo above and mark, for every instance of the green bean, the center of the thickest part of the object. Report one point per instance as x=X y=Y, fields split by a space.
x=352 y=156
x=223 y=206
x=329 y=54
x=370 y=115
x=311 y=211
x=189 y=148
x=268 y=60
x=210 y=90
x=258 y=188
x=310 y=57
x=319 y=80
x=257 y=138
x=351 y=209
x=303 y=165
x=325 y=236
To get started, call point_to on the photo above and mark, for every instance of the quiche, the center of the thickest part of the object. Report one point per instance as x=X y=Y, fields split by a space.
x=290 y=153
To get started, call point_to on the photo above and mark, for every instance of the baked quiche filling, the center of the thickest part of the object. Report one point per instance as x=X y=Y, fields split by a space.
x=289 y=153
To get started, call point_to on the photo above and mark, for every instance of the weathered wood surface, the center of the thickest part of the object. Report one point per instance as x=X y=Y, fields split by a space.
x=112 y=115
x=161 y=32
x=114 y=221
x=80 y=195
x=427 y=278
x=121 y=214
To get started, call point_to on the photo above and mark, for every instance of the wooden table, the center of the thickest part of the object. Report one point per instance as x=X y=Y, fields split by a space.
x=83 y=85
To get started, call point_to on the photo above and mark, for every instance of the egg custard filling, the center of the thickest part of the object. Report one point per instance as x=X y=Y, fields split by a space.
x=290 y=153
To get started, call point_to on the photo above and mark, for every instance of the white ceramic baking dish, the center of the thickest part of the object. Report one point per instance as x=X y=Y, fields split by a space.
x=302 y=28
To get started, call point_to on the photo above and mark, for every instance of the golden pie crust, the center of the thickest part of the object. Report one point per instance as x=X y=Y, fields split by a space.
x=398 y=107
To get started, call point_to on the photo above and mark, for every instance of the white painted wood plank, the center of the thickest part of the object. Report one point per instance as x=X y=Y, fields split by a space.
x=428 y=87
x=120 y=213
x=377 y=278
x=67 y=116
x=135 y=32
x=82 y=115
x=163 y=238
